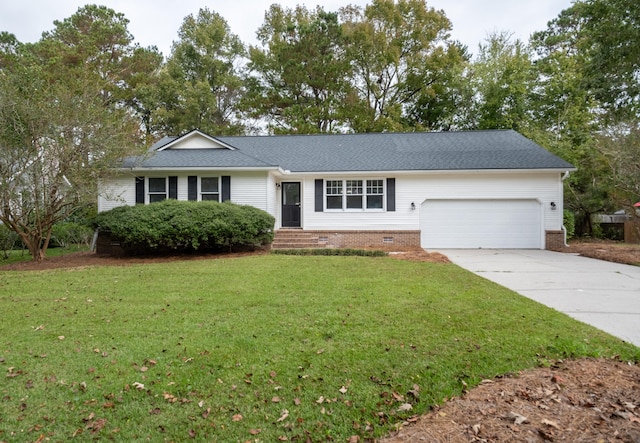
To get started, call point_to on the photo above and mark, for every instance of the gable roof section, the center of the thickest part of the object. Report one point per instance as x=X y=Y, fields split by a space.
x=415 y=151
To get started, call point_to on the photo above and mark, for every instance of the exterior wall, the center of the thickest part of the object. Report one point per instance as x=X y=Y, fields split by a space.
x=416 y=188
x=247 y=188
x=368 y=239
x=555 y=240
x=116 y=192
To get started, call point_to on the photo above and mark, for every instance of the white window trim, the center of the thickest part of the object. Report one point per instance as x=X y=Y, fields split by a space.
x=201 y=192
x=364 y=195
x=150 y=192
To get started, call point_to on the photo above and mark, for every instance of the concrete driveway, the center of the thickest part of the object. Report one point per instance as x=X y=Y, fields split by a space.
x=603 y=294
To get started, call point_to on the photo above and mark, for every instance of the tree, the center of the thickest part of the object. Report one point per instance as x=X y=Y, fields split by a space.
x=200 y=86
x=96 y=41
x=502 y=79
x=402 y=56
x=62 y=127
x=299 y=81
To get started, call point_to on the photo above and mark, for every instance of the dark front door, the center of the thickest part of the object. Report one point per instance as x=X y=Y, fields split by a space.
x=291 y=204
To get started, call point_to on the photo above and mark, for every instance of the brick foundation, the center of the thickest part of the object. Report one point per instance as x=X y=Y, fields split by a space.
x=105 y=245
x=554 y=240
x=367 y=239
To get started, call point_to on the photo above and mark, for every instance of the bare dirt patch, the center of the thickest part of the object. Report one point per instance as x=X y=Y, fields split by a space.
x=607 y=250
x=582 y=400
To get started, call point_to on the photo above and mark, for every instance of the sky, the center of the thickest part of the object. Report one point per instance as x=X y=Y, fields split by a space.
x=156 y=22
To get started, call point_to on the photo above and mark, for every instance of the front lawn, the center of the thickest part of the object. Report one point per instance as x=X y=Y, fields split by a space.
x=260 y=348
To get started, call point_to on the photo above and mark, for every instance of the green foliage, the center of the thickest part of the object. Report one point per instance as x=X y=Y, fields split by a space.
x=200 y=85
x=65 y=234
x=214 y=350
x=173 y=225
x=331 y=252
x=9 y=240
x=569 y=223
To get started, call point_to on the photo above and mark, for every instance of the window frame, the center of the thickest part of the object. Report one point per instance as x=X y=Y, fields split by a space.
x=202 y=192
x=153 y=193
x=351 y=189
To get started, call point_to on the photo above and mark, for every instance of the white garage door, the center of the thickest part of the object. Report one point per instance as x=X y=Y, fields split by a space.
x=514 y=224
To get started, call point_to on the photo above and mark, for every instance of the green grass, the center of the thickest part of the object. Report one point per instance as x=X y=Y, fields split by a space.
x=16 y=256
x=261 y=348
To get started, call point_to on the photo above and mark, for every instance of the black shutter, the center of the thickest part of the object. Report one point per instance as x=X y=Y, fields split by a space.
x=226 y=188
x=139 y=190
x=192 y=187
x=173 y=187
x=319 y=195
x=391 y=194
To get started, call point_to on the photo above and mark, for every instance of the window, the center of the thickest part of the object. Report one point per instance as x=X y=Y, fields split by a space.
x=375 y=191
x=334 y=194
x=354 y=194
x=209 y=189
x=157 y=189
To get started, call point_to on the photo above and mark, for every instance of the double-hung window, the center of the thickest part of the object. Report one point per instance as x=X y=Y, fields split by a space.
x=157 y=189
x=354 y=194
x=210 y=188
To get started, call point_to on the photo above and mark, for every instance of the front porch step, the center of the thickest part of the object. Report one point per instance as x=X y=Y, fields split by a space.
x=294 y=239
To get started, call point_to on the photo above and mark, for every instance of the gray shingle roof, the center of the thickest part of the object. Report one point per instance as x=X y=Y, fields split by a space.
x=427 y=151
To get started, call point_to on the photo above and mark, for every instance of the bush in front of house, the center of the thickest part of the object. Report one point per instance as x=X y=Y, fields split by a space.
x=184 y=226
x=569 y=222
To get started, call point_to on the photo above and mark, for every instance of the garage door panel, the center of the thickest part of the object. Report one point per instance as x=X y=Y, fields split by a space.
x=481 y=224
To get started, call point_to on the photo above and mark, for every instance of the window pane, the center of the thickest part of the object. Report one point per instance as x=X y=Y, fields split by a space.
x=209 y=184
x=354 y=201
x=157 y=185
x=334 y=187
x=375 y=187
x=156 y=197
x=374 y=202
x=354 y=187
x=334 y=202
x=210 y=197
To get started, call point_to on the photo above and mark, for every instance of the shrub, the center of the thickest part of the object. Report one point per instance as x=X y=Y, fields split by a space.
x=173 y=225
x=331 y=252
x=65 y=234
x=569 y=221
x=8 y=240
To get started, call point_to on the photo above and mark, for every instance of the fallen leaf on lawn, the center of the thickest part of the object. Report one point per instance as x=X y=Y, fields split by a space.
x=283 y=438
x=343 y=390
x=320 y=400
x=206 y=413
x=284 y=415
x=237 y=417
x=170 y=398
x=144 y=369
x=155 y=411
x=192 y=433
x=551 y=423
x=255 y=431
x=320 y=351
x=138 y=386
x=39 y=328
x=517 y=418
x=297 y=401
x=354 y=439
x=96 y=425
x=275 y=400
x=60 y=337
x=405 y=407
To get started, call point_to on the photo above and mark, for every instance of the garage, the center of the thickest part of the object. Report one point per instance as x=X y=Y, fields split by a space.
x=491 y=224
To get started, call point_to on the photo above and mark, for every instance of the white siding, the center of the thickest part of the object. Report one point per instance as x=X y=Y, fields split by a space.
x=247 y=188
x=117 y=192
x=416 y=188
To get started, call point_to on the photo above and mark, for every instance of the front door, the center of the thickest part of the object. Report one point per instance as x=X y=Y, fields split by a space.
x=291 y=204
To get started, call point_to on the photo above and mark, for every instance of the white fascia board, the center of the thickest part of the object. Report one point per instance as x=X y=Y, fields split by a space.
x=195 y=133
x=436 y=172
x=200 y=168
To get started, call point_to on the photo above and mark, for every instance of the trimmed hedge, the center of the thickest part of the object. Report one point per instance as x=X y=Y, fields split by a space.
x=332 y=252
x=183 y=226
